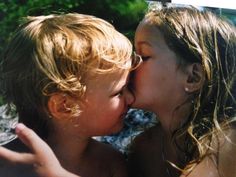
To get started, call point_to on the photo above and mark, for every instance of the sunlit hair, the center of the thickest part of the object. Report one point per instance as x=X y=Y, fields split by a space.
x=57 y=53
x=201 y=37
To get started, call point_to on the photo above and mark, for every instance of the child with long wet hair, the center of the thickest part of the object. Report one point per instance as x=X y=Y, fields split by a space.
x=193 y=54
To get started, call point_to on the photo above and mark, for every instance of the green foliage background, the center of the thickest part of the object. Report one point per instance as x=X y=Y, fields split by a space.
x=123 y=14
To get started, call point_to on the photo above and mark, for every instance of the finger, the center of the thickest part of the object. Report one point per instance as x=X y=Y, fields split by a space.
x=31 y=139
x=15 y=157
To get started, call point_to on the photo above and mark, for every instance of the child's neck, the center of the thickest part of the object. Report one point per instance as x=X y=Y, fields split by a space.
x=71 y=151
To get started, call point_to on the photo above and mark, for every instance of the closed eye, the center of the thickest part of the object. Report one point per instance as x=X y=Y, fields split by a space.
x=145 y=58
x=120 y=92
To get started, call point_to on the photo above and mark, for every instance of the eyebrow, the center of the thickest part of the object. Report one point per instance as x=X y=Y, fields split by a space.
x=144 y=43
x=118 y=89
x=125 y=84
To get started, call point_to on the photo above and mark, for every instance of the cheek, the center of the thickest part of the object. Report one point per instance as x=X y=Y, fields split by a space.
x=108 y=109
x=143 y=78
x=138 y=75
x=113 y=113
x=146 y=86
x=116 y=105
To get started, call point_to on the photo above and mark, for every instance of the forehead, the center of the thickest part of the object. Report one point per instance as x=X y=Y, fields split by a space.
x=146 y=32
x=149 y=35
x=108 y=81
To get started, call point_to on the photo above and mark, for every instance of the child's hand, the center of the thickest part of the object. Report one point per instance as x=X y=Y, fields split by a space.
x=42 y=158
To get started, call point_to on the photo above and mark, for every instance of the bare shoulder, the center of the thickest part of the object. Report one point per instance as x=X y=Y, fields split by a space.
x=227 y=152
x=112 y=159
x=222 y=163
x=206 y=168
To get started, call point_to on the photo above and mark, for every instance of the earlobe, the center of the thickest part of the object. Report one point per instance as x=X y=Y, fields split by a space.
x=195 y=78
x=58 y=106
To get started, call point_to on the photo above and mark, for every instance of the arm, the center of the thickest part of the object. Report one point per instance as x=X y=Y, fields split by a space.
x=43 y=159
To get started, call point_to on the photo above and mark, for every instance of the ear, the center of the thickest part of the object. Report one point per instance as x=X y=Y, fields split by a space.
x=195 y=78
x=59 y=105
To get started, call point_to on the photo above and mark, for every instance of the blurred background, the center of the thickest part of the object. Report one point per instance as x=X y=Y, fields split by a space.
x=123 y=14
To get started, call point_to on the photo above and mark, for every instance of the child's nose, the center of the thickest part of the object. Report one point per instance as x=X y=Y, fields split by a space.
x=129 y=97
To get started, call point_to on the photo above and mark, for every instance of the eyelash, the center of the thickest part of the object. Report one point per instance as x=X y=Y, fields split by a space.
x=120 y=93
x=145 y=58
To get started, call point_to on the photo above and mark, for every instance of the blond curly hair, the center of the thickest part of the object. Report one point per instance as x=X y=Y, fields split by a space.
x=57 y=53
